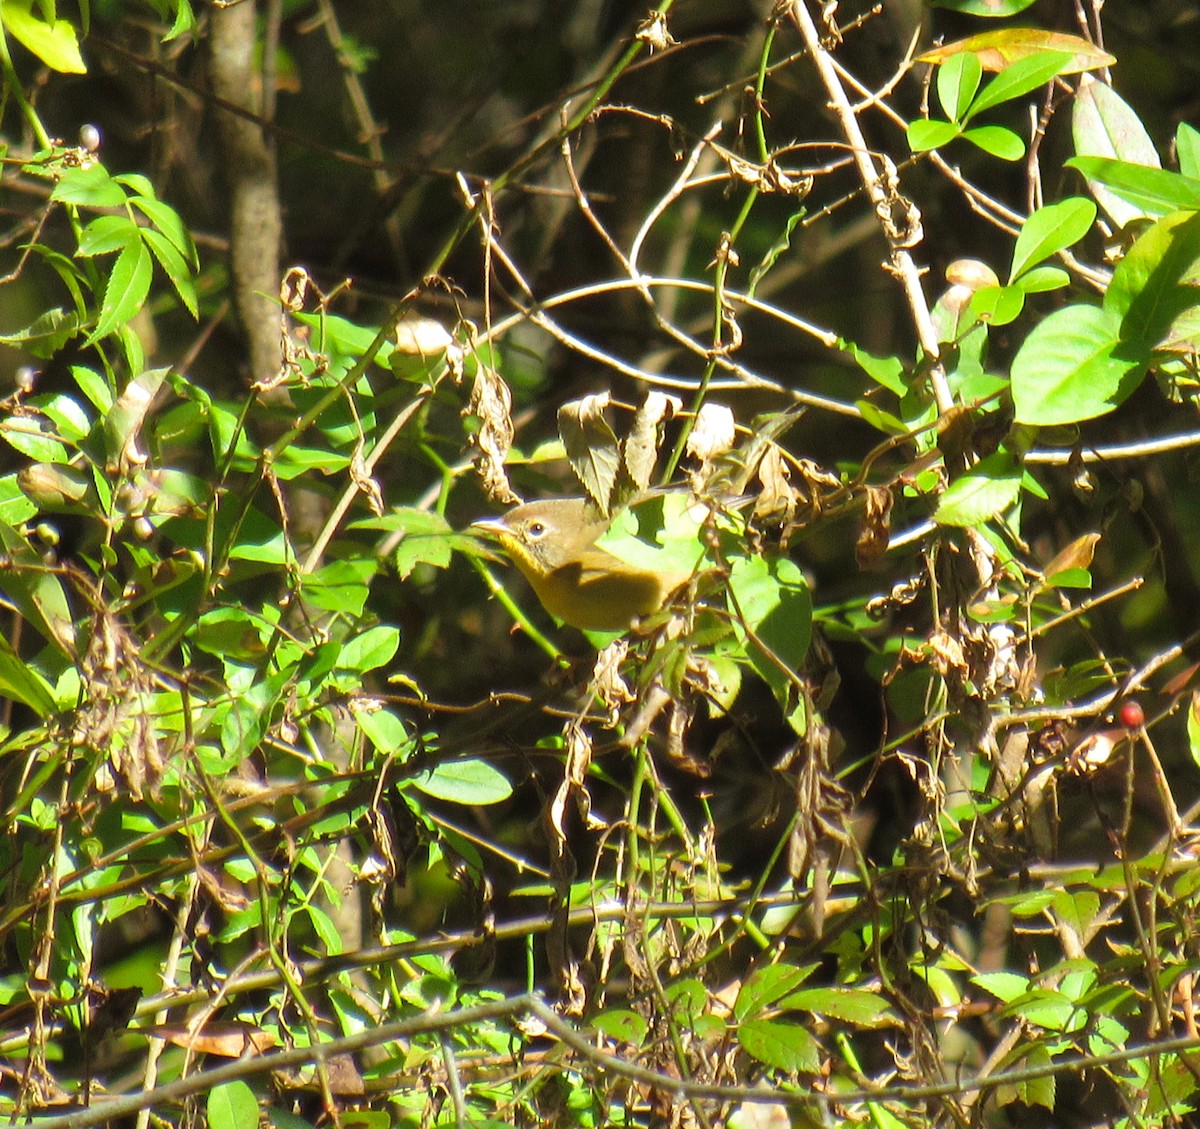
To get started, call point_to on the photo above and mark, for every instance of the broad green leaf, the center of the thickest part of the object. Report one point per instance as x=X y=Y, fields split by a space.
x=887 y=371
x=1104 y=125
x=107 y=233
x=853 y=1005
x=957 y=82
x=1023 y=75
x=989 y=488
x=623 y=1025
x=1005 y=986
x=232 y=1105
x=464 y=782
x=999 y=50
x=925 y=134
x=1073 y=366
x=784 y=1046
x=662 y=533
x=89 y=187
x=54 y=42
x=375 y=647
x=342 y=586
x=996 y=140
x=1156 y=281
x=126 y=291
x=764 y=986
x=1152 y=192
x=384 y=729
x=1049 y=230
x=426 y=538
x=1187 y=150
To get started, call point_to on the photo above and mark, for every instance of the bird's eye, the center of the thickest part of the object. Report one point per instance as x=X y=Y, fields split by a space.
x=537 y=528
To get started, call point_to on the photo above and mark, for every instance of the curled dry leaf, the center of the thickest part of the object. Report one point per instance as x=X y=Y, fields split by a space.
x=639 y=450
x=1078 y=554
x=873 y=538
x=713 y=434
x=776 y=501
x=422 y=337
x=491 y=404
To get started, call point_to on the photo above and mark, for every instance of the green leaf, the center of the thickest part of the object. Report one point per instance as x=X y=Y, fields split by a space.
x=1104 y=125
x=996 y=140
x=105 y=234
x=126 y=291
x=1073 y=366
x=375 y=647
x=852 y=1005
x=1156 y=282
x=1152 y=192
x=957 y=81
x=1041 y=279
x=1005 y=986
x=998 y=305
x=45 y=335
x=464 y=782
x=764 y=986
x=1193 y=728
x=1049 y=230
x=784 y=1046
x=174 y=266
x=22 y=683
x=89 y=187
x=167 y=222
x=993 y=8
x=1021 y=77
x=771 y=608
x=989 y=488
x=886 y=371
x=232 y=1105
x=925 y=134
x=1187 y=150
x=54 y=42
x=622 y=1025
x=427 y=538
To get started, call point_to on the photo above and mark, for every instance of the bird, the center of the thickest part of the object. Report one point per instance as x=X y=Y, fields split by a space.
x=553 y=542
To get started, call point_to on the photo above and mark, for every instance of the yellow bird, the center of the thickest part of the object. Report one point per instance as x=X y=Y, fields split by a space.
x=553 y=543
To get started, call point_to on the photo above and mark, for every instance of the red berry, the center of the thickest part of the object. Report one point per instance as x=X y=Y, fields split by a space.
x=1131 y=715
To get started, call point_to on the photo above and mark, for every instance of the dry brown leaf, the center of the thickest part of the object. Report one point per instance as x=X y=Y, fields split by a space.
x=491 y=404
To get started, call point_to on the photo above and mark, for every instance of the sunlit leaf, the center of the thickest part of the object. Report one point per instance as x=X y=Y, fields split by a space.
x=1074 y=366
x=1000 y=49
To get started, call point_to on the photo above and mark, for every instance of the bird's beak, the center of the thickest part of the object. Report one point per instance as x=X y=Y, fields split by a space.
x=489 y=526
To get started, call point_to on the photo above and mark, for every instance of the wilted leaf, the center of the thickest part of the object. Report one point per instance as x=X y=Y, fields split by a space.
x=713 y=433
x=876 y=526
x=491 y=405
x=639 y=451
x=1078 y=554
x=592 y=447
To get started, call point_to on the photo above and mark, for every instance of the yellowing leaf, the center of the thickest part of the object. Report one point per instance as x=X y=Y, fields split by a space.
x=997 y=50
